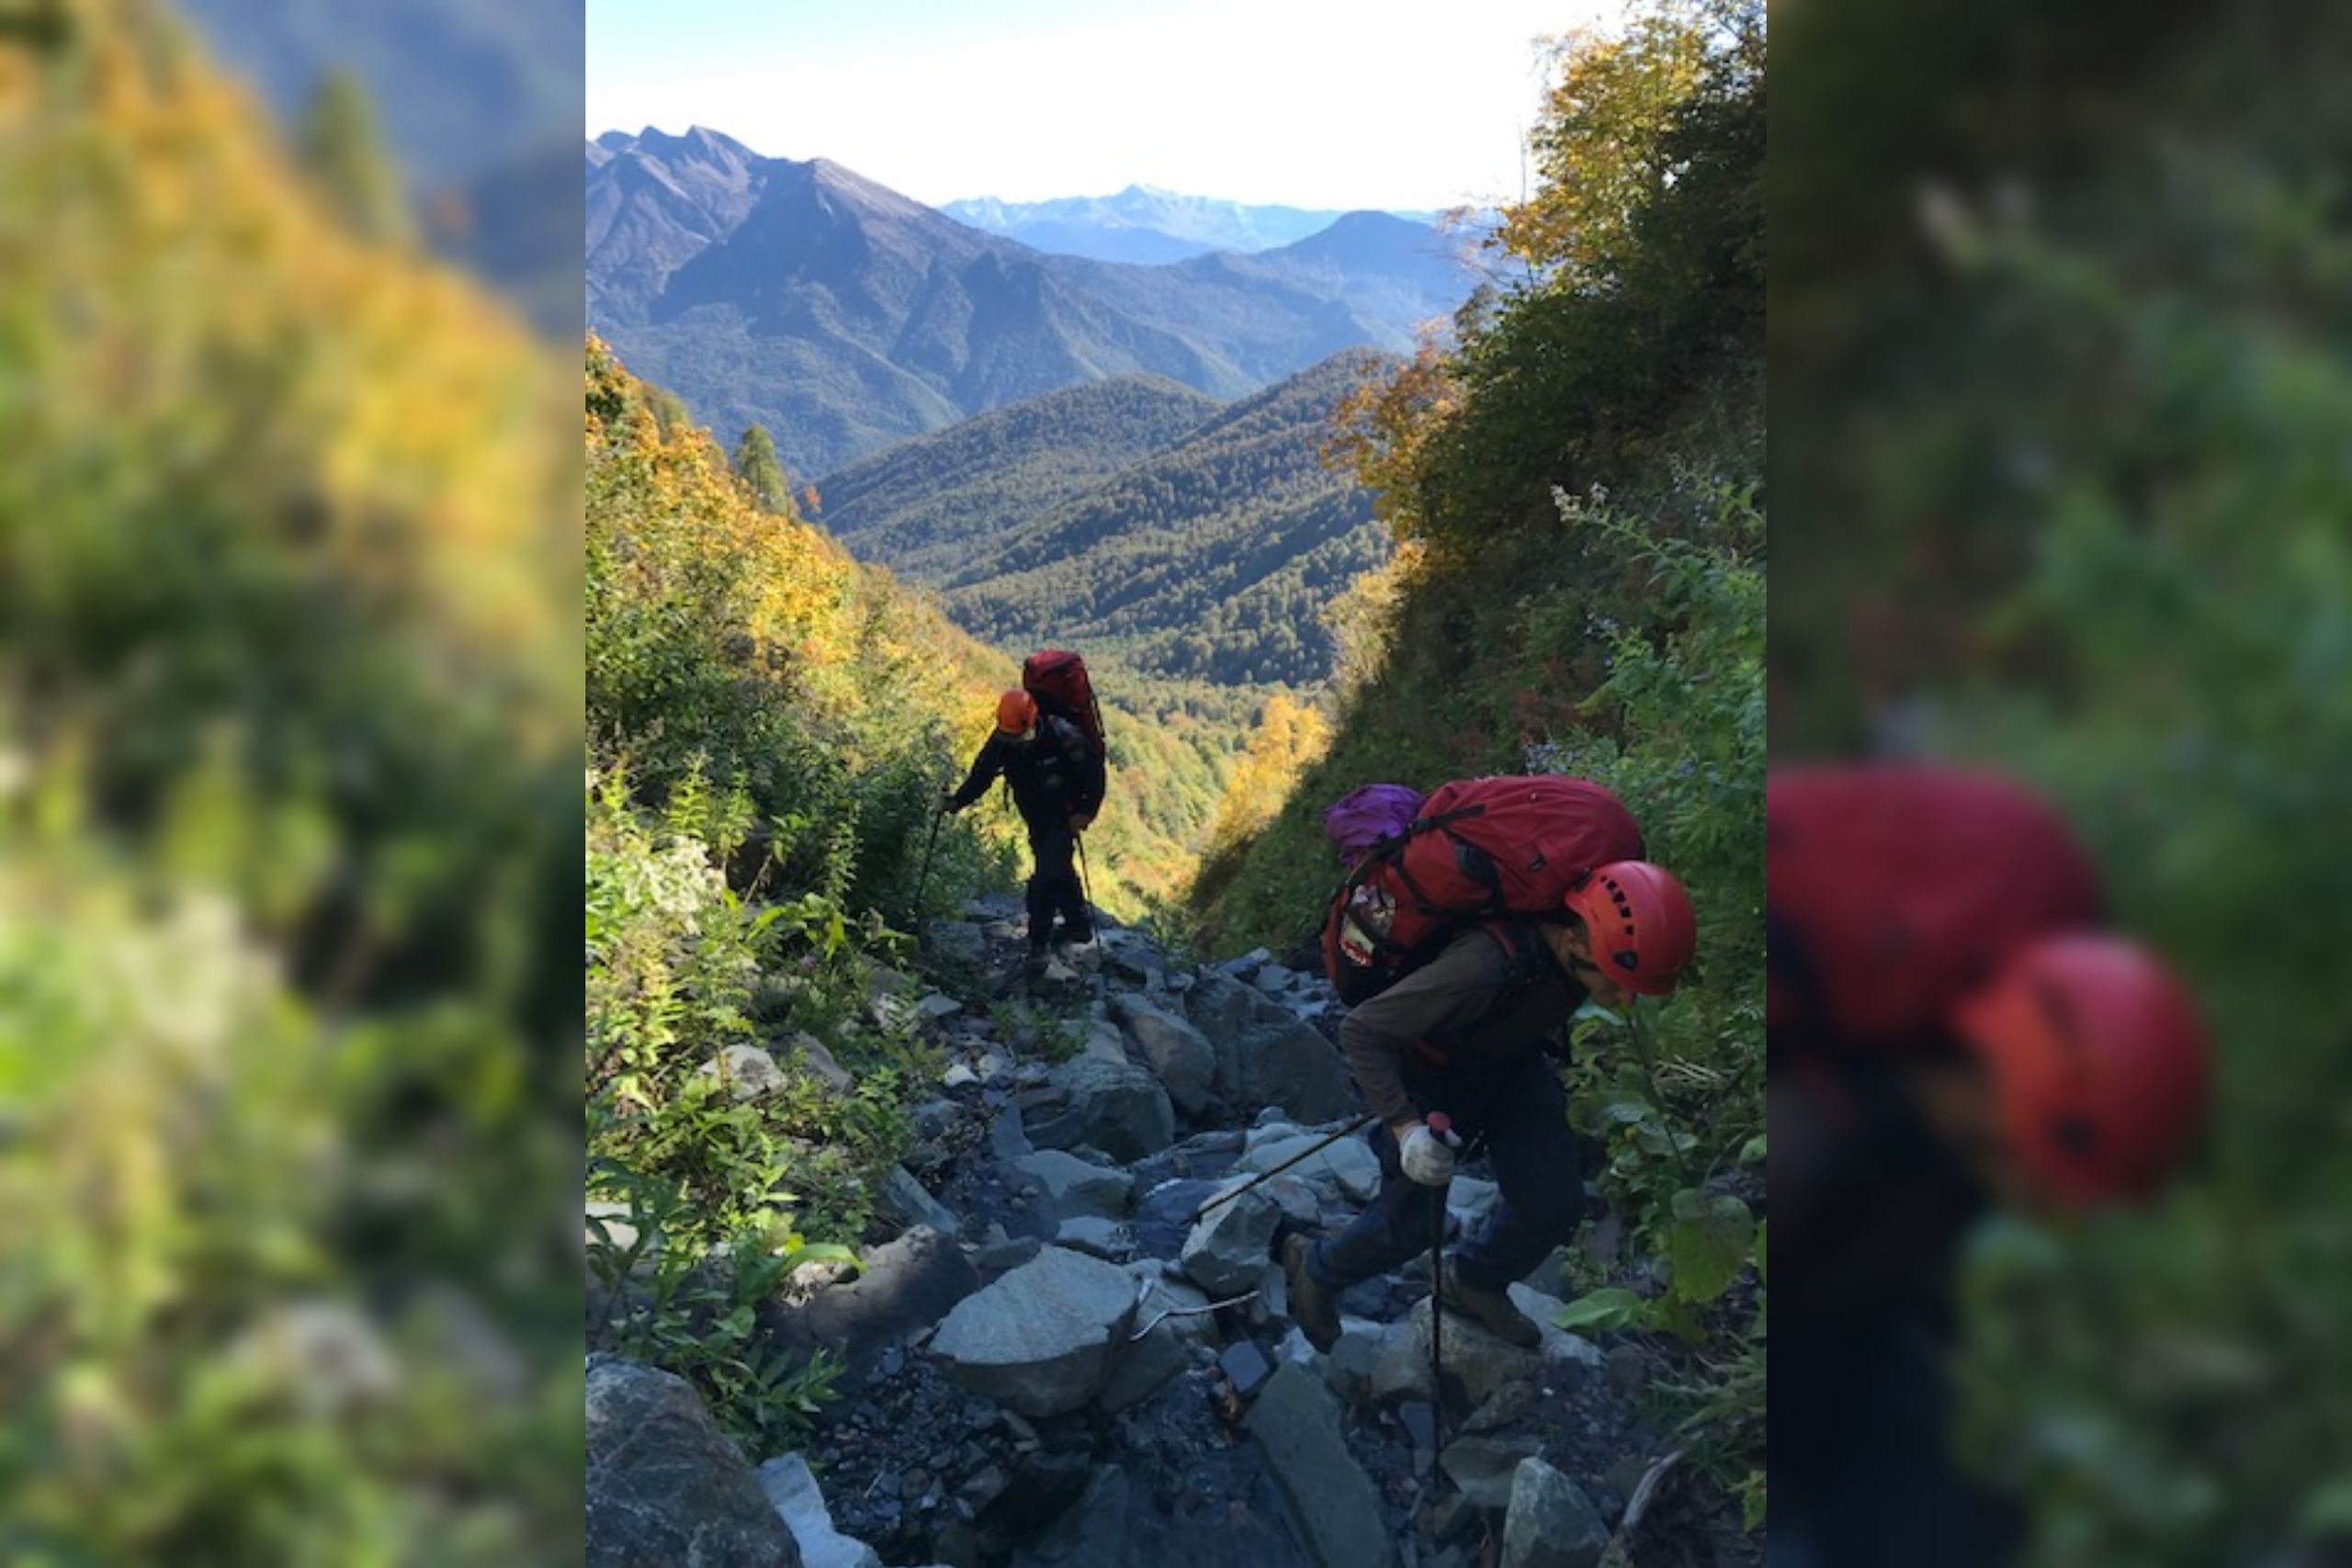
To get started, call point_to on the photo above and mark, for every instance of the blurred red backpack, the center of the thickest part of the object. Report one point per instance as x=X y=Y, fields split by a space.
x=1891 y=889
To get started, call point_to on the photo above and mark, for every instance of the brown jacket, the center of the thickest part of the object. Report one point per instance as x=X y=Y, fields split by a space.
x=1466 y=1004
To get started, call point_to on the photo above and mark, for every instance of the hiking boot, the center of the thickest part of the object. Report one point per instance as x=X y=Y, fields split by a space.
x=1033 y=965
x=1490 y=1310
x=1314 y=1306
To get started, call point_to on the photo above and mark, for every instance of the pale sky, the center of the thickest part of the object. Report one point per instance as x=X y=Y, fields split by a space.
x=1313 y=103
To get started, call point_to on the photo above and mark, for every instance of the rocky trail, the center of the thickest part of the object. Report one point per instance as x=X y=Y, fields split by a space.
x=1050 y=1365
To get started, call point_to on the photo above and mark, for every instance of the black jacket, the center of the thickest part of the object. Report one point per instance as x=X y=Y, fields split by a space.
x=1054 y=777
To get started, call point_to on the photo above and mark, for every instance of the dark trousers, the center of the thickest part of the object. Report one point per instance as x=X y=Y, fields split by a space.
x=1521 y=1116
x=1054 y=887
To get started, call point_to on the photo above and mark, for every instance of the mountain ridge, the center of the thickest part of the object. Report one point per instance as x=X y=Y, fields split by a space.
x=845 y=315
x=1148 y=224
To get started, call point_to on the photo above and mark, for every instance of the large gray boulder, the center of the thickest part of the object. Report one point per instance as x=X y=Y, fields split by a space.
x=1222 y=1008
x=907 y=1199
x=1041 y=1338
x=1288 y=1063
x=1551 y=1523
x=1347 y=1170
x=1114 y=1106
x=1478 y=1364
x=665 y=1487
x=793 y=1489
x=1178 y=1053
x=1296 y=1423
x=1072 y=1186
x=903 y=1286
x=1226 y=1252
x=1483 y=1466
x=1267 y=1056
x=1142 y=1367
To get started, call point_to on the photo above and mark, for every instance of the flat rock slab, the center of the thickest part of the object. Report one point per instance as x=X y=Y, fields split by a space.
x=1040 y=1339
x=1296 y=1425
x=1246 y=1366
x=665 y=1487
x=1097 y=1236
x=1073 y=1187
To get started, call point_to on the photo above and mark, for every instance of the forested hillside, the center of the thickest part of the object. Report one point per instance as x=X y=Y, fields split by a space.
x=1575 y=483
x=745 y=647
x=930 y=507
x=1212 y=555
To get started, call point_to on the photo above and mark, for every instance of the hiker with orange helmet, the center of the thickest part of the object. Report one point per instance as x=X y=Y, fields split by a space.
x=1949 y=1028
x=1468 y=1033
x=1057 y=781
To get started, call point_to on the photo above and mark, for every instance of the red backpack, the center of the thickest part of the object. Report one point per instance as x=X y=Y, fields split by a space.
x=1057 y=679
x=1480 y=850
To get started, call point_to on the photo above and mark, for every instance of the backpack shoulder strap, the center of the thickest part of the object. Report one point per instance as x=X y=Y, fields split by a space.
x=1527 y=957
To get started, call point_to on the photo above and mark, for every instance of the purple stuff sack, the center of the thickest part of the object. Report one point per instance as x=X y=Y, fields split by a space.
x=1363 y=817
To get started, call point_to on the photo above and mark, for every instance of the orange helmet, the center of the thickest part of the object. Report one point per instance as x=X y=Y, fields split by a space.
x=1640 y=923
x=1015 y=711
x=2098 y=1062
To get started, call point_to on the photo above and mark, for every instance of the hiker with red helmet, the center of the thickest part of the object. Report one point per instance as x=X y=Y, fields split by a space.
x=1561 y=908
x=1948 y=1029
x=1057 y=779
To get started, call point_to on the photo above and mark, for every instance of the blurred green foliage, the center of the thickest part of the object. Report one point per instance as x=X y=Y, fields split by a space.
x=287 y=547
x=2091 y=527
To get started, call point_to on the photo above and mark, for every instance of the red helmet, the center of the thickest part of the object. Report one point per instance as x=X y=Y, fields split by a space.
x=2098 y=1061
x=1640 y=922
x=1015 y=711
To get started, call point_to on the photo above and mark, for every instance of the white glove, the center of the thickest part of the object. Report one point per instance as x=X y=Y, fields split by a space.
x=1426 y=1159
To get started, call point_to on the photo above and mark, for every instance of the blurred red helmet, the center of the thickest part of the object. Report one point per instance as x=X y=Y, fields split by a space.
x=1015 y=711
x=2098 y=1061
x=1640 y=922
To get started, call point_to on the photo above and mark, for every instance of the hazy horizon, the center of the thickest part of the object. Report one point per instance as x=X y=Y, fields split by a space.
x=1315 y=104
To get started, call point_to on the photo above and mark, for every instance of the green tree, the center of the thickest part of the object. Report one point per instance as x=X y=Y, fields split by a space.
x=345 y=151
x=762 y=470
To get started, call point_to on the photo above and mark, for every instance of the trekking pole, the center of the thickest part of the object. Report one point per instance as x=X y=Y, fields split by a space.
x=1085 y=882
x=1356 y=1126
x=938 y=815
x=1441 y=1127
